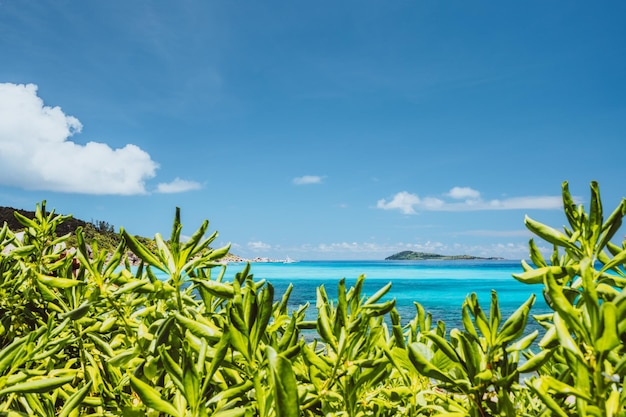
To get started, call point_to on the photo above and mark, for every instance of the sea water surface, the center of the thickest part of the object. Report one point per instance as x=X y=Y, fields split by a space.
x=439 y=286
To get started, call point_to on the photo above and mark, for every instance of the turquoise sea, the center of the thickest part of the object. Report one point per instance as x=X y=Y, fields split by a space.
x=439 y=286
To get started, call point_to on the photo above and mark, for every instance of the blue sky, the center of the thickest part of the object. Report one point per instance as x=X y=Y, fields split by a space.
x=315 y=130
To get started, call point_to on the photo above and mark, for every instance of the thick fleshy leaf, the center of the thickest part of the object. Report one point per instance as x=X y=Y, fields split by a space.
x=549 y=234
x=151 y=397
x=284 y=385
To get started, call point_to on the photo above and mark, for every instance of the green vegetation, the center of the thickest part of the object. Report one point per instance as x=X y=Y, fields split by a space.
x=408 y=255
x=83 y=333
x=98 y=231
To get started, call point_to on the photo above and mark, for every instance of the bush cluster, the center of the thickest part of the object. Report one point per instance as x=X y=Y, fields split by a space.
x=84 y=333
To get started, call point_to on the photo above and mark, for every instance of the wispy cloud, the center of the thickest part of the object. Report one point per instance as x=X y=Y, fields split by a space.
x=410 y=203
x=496 y=233
x=259 y=245
x=178 y=186
x=371 y=250
x=36 y=151
x=308 y=179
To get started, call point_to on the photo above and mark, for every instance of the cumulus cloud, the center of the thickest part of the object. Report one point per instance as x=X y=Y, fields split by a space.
x=308 y=179
x=178 y=186
x=403 y=201
x=36 y=151
x=410 y=203
x=460 y=193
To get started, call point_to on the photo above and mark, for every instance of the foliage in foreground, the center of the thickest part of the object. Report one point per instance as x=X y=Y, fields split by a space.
x=83 y=333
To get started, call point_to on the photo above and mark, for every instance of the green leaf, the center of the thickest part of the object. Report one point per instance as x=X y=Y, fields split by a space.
x=232 y=392
x=324 y=328
x=151 y=397
x=165 y=255
x=607 y=331
x=379 y=309
x=238 y=340
x=562 y=305
x=547 y=398
x=612 y=225
x=470 y=350
x=494 y=313
x=78 y=312
x=445 y=347
x=536 y=361
x=514 y=326
x=234 y=412
x=378 y=294
x=171 y=367
x=266 y=302
x=193 y=241
x=423 y=365
x=25 y=221
x=217 y=289
x=191 y=382
x=535 y=255
x=569 y=206
x=467 y=321
x=197 y=328
x=38 y=385
x=565 y=338
x=8 y=353
x=221 y=349
x=479 y=316
x=553 y=384
x=523 y=343
x=141 y=251
x=617 y=260
x=216 y=253
x=549 y=234
x=75 y=400
x=284 y=385
x=595 y=214
x=313 y=360
x=537 y=276
x=56 y=282
x=175 y=236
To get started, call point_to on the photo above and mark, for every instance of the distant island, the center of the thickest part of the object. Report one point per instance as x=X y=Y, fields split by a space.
x=408 y=255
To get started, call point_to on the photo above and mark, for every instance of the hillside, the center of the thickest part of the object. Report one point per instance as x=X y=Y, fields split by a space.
x=6 y=215
x=99 y=231
x=408 y=255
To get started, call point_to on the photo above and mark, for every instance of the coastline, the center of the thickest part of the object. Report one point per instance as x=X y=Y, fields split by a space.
x=238 y=259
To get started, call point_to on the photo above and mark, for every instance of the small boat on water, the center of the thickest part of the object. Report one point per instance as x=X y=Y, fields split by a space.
x=288 y=260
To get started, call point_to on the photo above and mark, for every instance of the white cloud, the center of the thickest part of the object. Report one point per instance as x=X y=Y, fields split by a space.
x=497 y=233
x=410 y=203
x=372 y=250
x=308 y=179
x=545 y=203
x=403 y=201
x=178 y=186
x=258 y=245
x=463 y=192
x=36 y=153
